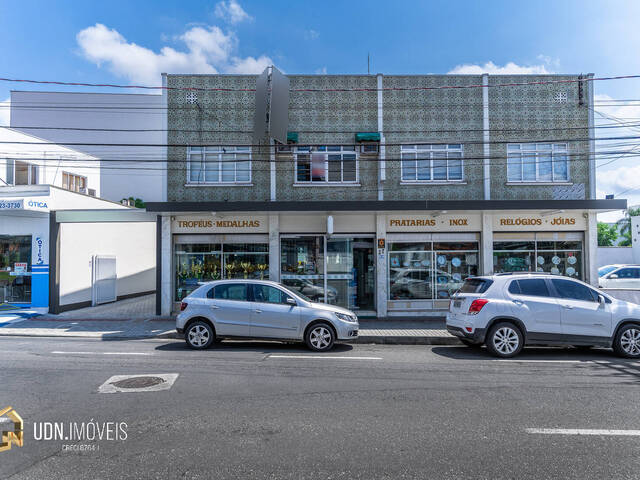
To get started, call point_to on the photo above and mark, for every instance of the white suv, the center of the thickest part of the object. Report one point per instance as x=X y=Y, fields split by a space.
x=508 y=311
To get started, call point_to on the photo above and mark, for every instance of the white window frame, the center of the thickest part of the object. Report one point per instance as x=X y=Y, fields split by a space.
x=76 y=177
x=314 y=150
x=430 y=149
x=219 y=151
x=536 y=150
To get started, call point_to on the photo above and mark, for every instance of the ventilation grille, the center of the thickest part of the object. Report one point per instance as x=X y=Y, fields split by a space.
x=191 y=97
x=560 y=97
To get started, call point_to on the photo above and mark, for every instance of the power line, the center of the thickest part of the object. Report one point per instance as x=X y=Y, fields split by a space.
x=322 y=90
x=268 y=146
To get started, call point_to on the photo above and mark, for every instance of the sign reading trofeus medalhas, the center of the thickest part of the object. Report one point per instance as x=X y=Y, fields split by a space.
x=230 y=224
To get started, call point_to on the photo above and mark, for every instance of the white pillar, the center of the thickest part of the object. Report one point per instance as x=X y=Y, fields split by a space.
x=166 y=283
x=591 y=249
x=486 y=137
x=635 y=238
x=274 y=248
x=382 y=280
x=382 y=169
x=486 y=266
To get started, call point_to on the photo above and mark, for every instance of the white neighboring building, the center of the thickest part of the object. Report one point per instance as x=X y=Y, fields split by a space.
x=104 y=252
x=89 y=122
x=29 y=160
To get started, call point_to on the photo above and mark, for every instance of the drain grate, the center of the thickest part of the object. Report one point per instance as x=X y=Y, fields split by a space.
x=138 y=382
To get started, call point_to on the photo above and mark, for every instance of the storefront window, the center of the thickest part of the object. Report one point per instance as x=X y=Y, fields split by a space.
x=350 y=269
x=15 y=269
x=302 y=267
x=204 y=262
x=430 y=271
x=541 y=253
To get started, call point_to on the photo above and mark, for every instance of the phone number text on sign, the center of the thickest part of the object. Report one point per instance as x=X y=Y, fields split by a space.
x=11 y=204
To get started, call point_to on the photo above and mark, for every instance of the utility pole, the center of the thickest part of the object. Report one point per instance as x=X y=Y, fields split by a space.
x=368 y=70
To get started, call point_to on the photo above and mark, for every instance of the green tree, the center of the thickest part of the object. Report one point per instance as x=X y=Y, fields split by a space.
x=607 y=234
x=625 y=226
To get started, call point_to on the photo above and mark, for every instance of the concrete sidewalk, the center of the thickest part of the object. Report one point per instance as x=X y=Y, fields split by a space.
x=399 y=332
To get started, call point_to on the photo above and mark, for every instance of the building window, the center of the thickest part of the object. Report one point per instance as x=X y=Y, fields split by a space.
x=75 y=183
x=205 y=262
x=21 y=173
x=430 y=270
x=218 y=165
x=558 y=254
x=537 y=162
x=326 y=164
x=431 y=163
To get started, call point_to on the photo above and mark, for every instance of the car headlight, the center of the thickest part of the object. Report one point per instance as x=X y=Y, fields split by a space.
x=347 y=318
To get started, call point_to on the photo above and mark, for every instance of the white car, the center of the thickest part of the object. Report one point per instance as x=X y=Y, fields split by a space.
x=508 y=311
x=619 y=276
x=261 y=309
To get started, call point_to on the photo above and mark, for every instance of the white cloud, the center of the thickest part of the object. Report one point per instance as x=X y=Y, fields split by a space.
x=248 y=64
x=508 y=69
x=311 y=34
x=5 y=111
x=209 y=50
x=321 y=71
x=231 y=11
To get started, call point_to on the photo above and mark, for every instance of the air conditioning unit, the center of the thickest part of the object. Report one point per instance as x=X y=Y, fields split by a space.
x=369 y=148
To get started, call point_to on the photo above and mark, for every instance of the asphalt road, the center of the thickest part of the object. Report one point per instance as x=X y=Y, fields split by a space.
x=266 y=410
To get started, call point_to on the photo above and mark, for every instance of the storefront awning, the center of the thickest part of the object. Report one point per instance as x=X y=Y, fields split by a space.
x=367 y=137
x=390 y=205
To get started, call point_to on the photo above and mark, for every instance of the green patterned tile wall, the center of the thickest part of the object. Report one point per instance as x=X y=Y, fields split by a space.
x=439 y=116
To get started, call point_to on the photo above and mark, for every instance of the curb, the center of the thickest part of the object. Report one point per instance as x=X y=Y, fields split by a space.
x=407 y=340
x=370 y=339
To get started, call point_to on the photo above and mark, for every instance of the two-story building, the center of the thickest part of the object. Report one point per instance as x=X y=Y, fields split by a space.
x=390 y=191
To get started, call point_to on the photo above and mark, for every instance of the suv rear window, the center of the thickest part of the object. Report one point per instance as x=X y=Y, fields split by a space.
x=475 y=285
x=535 y=287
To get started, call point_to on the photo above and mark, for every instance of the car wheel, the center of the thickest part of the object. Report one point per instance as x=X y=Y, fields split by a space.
x=469 y=343
x=627 y=341
x=320 y=337
x=199 y=335
x=505 y=340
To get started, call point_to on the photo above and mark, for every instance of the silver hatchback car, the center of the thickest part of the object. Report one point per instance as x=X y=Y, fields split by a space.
x=261 y=309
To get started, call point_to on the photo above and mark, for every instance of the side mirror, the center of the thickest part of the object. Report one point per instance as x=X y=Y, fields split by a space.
x=291 y=301
x=613 y=276
x=601 y=299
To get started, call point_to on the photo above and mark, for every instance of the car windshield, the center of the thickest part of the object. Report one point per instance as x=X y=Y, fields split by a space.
x=295 y=294
x=602 y=271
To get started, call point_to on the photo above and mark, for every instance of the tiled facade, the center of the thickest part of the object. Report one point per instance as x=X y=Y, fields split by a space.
x=543 y=113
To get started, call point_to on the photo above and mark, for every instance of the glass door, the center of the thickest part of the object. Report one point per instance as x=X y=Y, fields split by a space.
x=339 y=270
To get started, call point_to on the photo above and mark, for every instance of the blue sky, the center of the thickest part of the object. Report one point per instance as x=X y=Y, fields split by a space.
x=133 y=41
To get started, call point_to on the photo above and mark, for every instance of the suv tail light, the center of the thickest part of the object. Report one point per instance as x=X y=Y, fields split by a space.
x=183 y=305
x=477 y=305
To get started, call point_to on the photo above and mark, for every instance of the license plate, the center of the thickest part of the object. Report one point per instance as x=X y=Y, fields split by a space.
x=457 y=303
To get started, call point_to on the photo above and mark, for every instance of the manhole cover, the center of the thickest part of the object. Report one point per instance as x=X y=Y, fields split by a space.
x=153 y=382
x=138 y=382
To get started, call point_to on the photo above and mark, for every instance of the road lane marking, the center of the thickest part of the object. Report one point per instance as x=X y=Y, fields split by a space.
x=583 y=431
x=325 y=357
x=542 y=361
x=57 y=352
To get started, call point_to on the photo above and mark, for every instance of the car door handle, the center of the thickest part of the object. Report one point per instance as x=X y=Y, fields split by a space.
x=599 y=324
x=214 y=306
x=257 y=310
x=518 y=302
x=569 y=307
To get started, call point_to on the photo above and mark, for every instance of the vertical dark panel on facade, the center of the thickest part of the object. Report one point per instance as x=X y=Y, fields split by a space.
x=54 y=264
x=158 y=265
